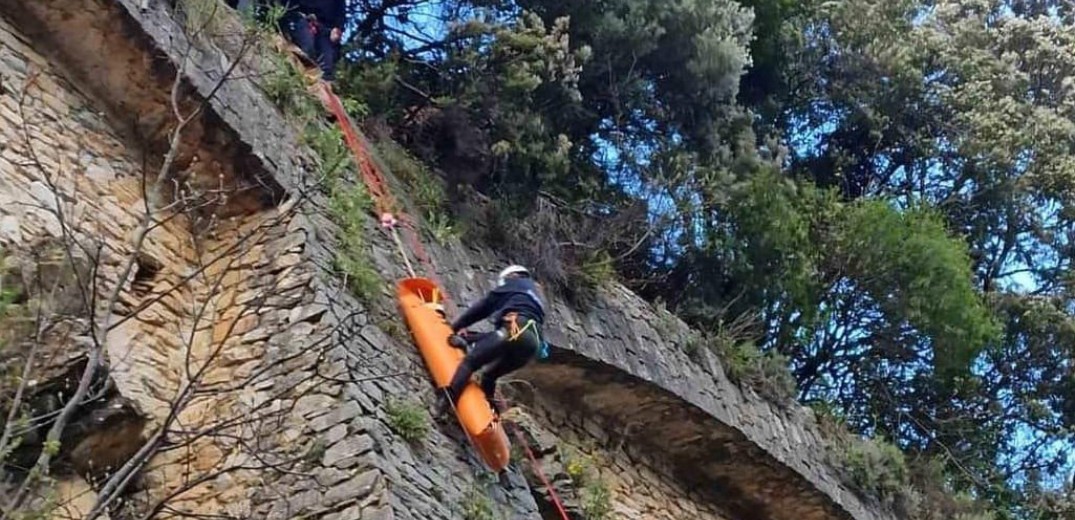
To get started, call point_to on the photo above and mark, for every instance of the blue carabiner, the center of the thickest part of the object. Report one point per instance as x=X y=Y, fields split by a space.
x=543 y=350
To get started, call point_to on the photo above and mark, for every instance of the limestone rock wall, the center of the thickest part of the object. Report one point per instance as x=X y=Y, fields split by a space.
x=61 y=169
x=51 y=131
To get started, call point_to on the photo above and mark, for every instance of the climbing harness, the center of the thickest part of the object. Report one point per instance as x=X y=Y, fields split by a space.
x=377 y=187
x=513 y=320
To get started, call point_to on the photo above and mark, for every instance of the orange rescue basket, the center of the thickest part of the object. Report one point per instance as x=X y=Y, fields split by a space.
x=419 y=299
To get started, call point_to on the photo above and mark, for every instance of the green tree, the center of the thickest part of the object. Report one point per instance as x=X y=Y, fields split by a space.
x=658 y=67
x=967 y=105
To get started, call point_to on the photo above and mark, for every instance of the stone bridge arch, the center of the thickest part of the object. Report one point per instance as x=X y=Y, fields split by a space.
x=623 y=364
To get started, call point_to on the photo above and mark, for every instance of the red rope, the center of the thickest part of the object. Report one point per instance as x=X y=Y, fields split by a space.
x=541 y=474
x=377 y=186
x=371 y=176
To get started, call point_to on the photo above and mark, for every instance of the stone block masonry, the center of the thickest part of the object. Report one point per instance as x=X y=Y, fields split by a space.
x=277 y=376
x=585 y=461
x=191 y=319
x=59 y=154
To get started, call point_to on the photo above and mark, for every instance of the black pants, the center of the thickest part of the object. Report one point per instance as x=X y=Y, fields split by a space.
x=500 y=353
x=317 y=45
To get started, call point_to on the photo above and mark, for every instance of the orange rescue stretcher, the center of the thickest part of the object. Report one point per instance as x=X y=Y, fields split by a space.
x=419 y=300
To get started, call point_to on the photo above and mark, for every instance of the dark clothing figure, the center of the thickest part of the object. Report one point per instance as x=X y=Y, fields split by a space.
x=331 y=14
x=318 y=37
x=517 y=313
x=515 y=295
x=313 y=41
x=500 y=354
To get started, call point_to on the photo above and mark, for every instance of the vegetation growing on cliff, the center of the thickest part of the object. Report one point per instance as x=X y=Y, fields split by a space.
x=408 y=419
x=880 y=193
x=349 y=203
x=592 y=493
x=424 y=188
x=477 y=506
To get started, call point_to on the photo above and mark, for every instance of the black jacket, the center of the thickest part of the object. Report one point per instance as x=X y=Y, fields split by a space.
x=516 y=295
x=331 y=13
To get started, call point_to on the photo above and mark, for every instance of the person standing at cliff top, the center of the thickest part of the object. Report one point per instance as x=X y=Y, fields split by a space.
x=517 y=313
x=316 y=27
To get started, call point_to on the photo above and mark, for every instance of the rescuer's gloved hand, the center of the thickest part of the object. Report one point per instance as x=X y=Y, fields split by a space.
x=458 y=341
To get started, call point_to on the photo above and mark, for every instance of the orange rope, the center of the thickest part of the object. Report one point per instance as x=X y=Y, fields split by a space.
x=371 y=176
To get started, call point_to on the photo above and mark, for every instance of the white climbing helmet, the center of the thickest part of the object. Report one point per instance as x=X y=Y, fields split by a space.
x=510 y=270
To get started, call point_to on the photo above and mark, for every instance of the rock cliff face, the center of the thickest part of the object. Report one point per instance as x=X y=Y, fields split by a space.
x=254 y=384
